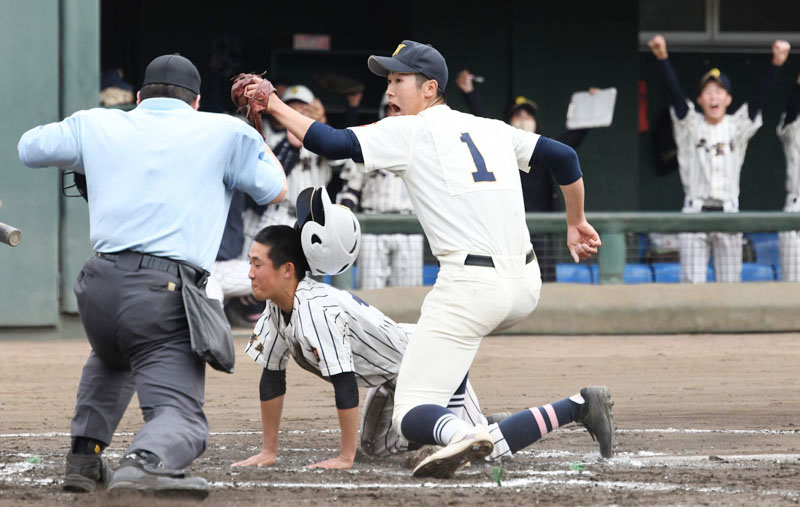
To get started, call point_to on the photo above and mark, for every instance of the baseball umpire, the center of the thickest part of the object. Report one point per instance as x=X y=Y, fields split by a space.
x=461 y=174
x=159 y=181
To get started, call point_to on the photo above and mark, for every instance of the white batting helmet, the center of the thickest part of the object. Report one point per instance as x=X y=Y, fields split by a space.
x=330 y=233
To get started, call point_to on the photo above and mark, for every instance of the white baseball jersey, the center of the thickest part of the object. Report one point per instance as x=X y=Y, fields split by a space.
x=790 y=138
x=710 y=157
x=330 y=331
x=461 y=174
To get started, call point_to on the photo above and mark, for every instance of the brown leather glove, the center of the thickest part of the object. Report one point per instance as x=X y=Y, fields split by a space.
x=254 y=102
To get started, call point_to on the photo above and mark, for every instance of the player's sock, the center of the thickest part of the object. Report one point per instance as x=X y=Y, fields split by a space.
x=86 y=445
x=456 y=403
x=431 y=425
x=526 y=427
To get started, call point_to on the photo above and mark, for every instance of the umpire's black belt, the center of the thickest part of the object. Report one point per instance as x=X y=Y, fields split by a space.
x=130 y=260
x=486 y=261
x=712 y=208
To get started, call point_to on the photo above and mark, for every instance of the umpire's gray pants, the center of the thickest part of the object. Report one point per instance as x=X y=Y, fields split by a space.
x=136 y=324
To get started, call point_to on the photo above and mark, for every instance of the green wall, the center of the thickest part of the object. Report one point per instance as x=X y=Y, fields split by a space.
x=29 y=95
x=50 y=62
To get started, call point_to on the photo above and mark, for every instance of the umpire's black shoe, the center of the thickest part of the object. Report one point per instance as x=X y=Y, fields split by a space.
x=85 y=473
x=598 y=417
x=144 y=473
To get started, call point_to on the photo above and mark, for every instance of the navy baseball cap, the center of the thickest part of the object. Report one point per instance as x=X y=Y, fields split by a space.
x=173 y=70
x=716 y=76
x=412 y=57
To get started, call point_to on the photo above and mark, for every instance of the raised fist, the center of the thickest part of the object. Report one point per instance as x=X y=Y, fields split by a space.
x=658 y=46
x=780 y=52
x=464 y=81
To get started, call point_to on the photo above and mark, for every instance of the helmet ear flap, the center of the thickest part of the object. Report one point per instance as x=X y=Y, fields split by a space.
x=315 y=241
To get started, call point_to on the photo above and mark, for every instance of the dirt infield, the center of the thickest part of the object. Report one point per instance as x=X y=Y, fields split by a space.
x=704 y=419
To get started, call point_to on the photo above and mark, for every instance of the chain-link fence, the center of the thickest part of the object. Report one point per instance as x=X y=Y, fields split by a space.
x=637 y=248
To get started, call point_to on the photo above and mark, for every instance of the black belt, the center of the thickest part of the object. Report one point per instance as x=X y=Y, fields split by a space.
x=486 y=261
x=711 y=208
x=134 y=260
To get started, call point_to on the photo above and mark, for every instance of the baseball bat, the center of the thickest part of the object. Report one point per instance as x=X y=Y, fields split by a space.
x=10 y=235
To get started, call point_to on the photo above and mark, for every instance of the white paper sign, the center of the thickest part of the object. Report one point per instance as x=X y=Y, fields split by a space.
x=587 y=110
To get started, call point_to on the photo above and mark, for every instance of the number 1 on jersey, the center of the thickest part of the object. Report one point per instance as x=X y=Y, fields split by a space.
x=482 y=174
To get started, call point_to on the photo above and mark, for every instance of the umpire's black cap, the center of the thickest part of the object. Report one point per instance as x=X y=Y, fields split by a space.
x=412 y=57
x=173 y=70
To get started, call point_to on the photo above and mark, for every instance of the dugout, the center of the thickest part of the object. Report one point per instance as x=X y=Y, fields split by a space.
x=53 y=52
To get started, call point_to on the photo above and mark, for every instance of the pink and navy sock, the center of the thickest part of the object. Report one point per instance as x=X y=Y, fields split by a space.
x=526 y=427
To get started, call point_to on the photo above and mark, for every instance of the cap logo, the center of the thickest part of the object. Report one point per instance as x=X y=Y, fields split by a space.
x=399 y=47
x=521 y=100
x=714 y=72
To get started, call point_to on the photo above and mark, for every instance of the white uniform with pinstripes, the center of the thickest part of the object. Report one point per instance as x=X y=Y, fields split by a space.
x=710 y=159
x=790 y=240
x=330 y=332
x=385 y=259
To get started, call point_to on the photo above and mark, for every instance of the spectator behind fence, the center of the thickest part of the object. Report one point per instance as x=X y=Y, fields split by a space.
x=540 y=190
x=385 y=259
x=789 y=134
x=711 y=150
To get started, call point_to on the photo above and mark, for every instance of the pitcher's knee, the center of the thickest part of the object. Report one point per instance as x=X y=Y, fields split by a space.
x=398 y=414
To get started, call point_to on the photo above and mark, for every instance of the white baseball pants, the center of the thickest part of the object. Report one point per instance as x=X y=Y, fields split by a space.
x=466 y=304
x=695 y=248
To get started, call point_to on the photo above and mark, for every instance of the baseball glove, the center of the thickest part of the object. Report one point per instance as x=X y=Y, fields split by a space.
x=252 y=103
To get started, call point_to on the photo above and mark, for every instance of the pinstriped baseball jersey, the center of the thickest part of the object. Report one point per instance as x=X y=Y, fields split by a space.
x=461 y=174
x=377 y=192
x=311 y=170
x=710 y=157
x=790 y=138
x=330 y=331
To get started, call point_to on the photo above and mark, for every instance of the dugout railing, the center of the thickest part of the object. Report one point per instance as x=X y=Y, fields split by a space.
x=626 y=238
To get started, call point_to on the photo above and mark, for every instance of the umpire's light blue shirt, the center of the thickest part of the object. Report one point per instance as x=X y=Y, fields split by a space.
x=159 y=177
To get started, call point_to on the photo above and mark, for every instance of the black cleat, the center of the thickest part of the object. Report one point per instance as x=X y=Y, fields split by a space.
x=598 y=417
x=136 y=473
x=85 y=473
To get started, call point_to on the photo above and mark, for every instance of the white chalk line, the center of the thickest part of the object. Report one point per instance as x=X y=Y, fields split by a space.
x=509 y=483
x=12 y=473
x=688 y=431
